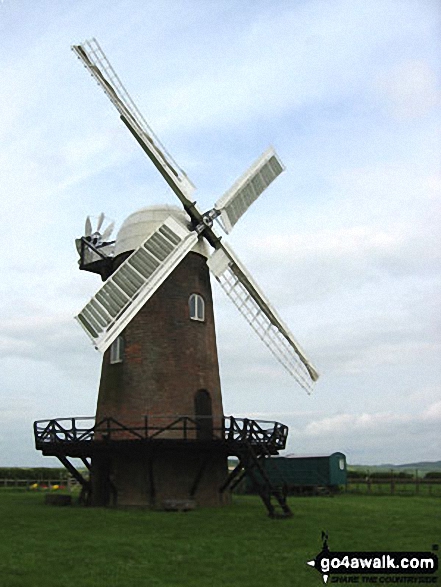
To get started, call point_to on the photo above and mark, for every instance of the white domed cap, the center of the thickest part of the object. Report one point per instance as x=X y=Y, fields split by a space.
x=141 y=224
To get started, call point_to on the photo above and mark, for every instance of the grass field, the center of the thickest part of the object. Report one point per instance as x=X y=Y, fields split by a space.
x=237 y=546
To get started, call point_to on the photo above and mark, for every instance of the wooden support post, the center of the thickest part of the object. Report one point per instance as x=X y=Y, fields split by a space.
x=152 y=489
x=199 y=475
x=86 y=463
x=237 y=480
x=231 y=476
x=74 y=472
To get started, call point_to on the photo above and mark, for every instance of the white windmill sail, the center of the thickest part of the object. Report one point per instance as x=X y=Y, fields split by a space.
x=110 y=310
x=99 y=66
x=107 y=314
x=248 y=188
x=253 y=305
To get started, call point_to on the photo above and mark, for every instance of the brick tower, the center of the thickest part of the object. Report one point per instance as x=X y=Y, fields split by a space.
x=162 y=366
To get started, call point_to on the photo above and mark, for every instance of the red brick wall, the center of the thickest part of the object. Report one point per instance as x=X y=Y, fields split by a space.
x=167 y=356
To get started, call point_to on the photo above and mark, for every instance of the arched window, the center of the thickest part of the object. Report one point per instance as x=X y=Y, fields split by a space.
x=117 y=350
x=197 y=307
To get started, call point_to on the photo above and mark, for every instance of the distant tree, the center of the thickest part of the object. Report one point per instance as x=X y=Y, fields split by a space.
x=380 y=475
x=404 y=475
x=433 y=475
x=389 y=474
x=33 y=473
x=357 y=474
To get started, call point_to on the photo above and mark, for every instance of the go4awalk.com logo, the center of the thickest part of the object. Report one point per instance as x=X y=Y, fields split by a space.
x=380 y=568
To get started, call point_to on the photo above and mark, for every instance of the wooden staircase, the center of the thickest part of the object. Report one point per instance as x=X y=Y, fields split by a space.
x=251 y=458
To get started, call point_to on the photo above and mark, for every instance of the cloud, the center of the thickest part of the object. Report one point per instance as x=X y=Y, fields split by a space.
x=316 y=53
x=50 y=338
x=374 y=438
x=381 y=223
x=433 y=413
x=410 y=89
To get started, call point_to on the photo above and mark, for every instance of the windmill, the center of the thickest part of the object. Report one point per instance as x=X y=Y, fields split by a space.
x=153 y=320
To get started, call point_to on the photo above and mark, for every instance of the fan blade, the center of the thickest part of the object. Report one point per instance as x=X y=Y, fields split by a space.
x=121 y=297
x=100 y=221
x=88 y=227
x=236 y=201
x=98 y=65
x=78 y=245
x=108 y=231
x=253 y=305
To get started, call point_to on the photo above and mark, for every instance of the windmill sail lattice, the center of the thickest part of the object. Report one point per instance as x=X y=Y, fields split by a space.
x=261 y=316
x=236 y=201
x=99 y=66
x=134 y=282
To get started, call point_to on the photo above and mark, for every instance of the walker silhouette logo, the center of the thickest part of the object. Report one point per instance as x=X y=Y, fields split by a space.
x=333 y=565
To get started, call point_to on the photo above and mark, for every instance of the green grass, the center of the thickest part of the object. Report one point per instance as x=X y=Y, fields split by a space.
x=231 y=547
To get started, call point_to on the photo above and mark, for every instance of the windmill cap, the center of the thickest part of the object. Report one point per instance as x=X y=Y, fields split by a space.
x=142 y=223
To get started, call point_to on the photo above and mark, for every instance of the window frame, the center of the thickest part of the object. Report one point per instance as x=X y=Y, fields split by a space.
x=196 y=305
x=117 y=351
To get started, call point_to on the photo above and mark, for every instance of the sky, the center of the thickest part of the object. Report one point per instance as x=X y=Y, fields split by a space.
x=345 y=243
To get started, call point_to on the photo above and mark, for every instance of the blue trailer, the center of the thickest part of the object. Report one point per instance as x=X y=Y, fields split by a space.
x=301 y=474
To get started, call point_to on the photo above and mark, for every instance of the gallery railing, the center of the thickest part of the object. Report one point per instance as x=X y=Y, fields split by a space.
x=272 y=435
